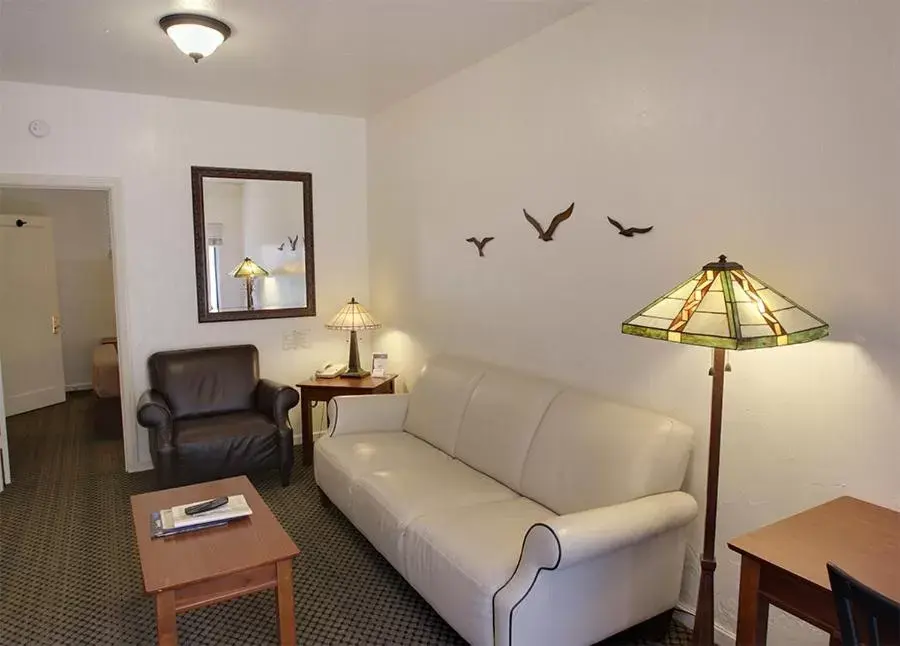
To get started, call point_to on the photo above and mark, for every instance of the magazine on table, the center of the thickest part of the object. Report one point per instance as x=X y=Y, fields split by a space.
x=168 y=522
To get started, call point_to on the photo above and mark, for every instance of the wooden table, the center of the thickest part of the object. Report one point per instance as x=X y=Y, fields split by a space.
x=323 y=390
x=783 y=564
x=201 y=568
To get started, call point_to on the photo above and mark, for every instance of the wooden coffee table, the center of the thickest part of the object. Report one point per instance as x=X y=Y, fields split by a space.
x=201 y=568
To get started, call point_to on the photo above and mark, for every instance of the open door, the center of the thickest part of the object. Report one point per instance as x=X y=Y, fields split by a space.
x=30 y=341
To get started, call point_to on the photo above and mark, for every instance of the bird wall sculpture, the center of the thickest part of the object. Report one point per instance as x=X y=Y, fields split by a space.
x=547 y=235
x=479 y=244
x=629 y=232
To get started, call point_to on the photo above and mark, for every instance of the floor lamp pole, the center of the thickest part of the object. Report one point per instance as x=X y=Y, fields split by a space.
x=704 y=619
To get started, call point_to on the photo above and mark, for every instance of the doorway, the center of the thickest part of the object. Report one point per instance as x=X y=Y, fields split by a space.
x=64 y=320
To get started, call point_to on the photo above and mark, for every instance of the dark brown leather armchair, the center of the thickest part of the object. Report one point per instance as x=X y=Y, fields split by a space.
x=210 y=416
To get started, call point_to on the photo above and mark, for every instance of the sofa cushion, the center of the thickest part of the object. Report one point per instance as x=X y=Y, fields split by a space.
x=341 y=459
x=385 y=501
x=458 y=558
x=500 y=421
x=439 y=399
x=590 y=453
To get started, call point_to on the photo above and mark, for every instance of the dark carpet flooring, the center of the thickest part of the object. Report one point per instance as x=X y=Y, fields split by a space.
x=69 y=570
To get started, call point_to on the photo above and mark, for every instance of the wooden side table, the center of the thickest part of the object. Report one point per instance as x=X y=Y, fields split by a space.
x=323 y=390
x=783 y=564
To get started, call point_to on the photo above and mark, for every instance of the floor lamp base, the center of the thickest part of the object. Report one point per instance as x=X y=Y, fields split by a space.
x=704 y=619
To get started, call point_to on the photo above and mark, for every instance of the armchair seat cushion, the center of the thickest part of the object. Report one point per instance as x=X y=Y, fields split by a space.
x=223 y=445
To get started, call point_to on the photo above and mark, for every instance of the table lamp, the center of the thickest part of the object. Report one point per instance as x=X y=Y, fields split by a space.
x=722 y=307
x=248 y=270
x=353 y=317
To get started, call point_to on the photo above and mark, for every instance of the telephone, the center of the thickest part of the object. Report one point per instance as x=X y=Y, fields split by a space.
x=331 y=370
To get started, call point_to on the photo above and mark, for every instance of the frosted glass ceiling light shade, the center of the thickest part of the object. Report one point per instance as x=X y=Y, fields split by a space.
x=195 y=35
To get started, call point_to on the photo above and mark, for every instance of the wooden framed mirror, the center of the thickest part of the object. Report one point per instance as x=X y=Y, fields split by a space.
x=253 y=244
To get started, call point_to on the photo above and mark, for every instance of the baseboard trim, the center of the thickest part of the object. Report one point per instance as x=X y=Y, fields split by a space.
x=685 y=615
x=72 y=388
x=140 y=466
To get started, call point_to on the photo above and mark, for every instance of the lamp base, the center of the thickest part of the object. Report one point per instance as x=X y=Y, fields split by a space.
x=354 y=370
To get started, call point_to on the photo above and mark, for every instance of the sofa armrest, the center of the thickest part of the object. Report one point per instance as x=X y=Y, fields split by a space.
x=619 y=537
x=275 y=401
x=569 y=539
x=366 y=413
x=153 y=413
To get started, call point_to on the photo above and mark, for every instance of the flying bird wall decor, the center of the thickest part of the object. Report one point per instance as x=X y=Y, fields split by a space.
x=547 y=235
x=479 y=244
x=630 y=231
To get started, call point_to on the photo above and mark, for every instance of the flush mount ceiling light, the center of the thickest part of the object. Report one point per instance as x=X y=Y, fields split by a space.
x=197 y=36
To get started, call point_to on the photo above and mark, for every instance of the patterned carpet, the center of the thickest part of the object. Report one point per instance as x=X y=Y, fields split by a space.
x=69 y=570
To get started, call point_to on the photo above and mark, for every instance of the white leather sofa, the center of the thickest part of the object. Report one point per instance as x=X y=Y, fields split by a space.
x=524 y=512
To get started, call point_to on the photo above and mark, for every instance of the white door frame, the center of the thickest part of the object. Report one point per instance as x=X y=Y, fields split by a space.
x=113 y=187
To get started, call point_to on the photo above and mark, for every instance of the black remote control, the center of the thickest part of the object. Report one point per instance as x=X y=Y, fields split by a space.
x=209 y=505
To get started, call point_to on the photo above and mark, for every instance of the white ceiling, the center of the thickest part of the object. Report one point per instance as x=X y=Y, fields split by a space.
x=333 y=56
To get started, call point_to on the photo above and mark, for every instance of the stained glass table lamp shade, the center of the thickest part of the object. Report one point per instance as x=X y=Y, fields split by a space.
x=248 y=270
x=353 y=317
x=723 y=307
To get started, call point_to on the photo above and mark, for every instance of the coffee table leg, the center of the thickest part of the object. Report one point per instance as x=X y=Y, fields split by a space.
x=286 y=629
x=166 y=628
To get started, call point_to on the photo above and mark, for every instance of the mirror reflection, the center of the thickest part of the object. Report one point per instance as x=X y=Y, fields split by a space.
x=256 y=247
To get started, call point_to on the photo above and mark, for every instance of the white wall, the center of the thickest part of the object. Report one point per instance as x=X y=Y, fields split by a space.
x=149 y=144
x=766 y=130
x=81 y=242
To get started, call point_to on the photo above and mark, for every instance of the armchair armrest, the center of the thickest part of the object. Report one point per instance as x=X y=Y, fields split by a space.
x=153 y=413
x=276 y=400
x=569 y=539
x=367 y=413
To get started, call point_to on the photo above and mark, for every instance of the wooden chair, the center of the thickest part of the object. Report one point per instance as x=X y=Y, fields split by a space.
x=856 y=604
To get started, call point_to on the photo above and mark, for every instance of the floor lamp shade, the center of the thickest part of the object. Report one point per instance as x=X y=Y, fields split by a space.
x=724 y=307
x=353 y=317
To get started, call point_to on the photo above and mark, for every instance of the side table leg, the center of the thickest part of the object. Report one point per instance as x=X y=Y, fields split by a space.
x=306 y=433
x=287 y=632
x=753 y=610
x=166 y=627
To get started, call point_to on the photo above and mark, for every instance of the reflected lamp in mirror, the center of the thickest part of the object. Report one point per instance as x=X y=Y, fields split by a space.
x=249 y=271
x=260 y=214
x=723 y=307
x=353 y=317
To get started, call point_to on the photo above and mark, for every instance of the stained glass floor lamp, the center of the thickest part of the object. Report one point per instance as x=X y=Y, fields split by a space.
x=722 y=307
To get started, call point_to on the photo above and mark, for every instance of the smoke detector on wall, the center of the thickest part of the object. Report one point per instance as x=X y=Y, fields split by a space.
x=39 y=128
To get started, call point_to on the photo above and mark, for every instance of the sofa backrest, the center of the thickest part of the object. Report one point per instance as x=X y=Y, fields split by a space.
x=566 y=449
x=590 y=453
x=500 y=421
x=439 y=400
x=206 y=381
